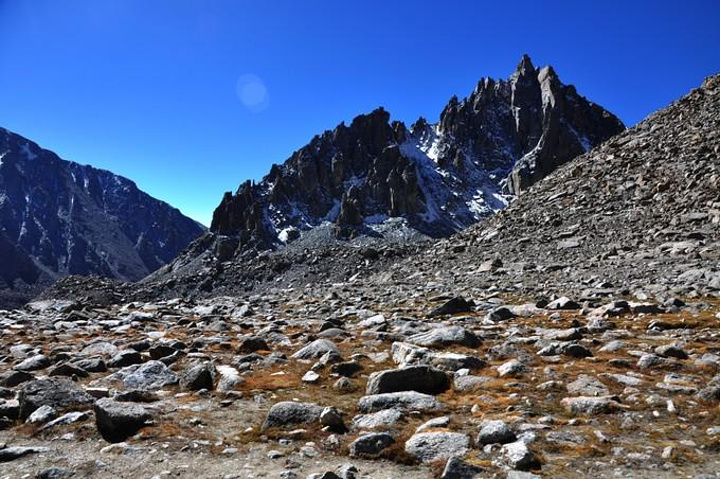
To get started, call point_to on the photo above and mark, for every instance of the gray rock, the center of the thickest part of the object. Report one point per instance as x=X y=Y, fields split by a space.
x=470 y=382
x=54 y=473
x=590 y=405
x=456 y=468
x=117 y=421
x=151 y=376
x=518 y=456
x=436 y=422
x=371 y=445
x=198 y=376
x=563 y=303
x=385 y=418
x=42 y=415
x=422 y=379
x=102 y=348
x=671 y=351
x=453 y=306
x=501 y=313
x=68 y=418
x=332 y=418
x=58 y=393
x=512 y=368
x=406 y=401
x=495 y=432
x=68 y=369
x=652 y=361
x=10 y=379
x=445 y=336
x=34 y=363
x=344 y=385
x=252 y=344
x=348 y=471
x=8 y=454
x=585 y=385
x=575 y=350
x=430 y=446
x=316 y=349
x=290 y=413
x=125 y=358
x=571 y=334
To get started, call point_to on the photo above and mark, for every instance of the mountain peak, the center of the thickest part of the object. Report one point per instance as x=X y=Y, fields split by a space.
x=525 y=67
x=433 y=179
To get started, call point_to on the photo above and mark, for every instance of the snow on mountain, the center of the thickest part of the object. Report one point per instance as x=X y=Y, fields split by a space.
x=439 y=177
x=59 y=218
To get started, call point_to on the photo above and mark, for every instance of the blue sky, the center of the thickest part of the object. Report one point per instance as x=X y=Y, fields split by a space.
x=189 y=98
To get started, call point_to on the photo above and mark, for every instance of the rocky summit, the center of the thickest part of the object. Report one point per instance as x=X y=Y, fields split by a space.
x=378 y=178
x=574 y=334
x=59 y=218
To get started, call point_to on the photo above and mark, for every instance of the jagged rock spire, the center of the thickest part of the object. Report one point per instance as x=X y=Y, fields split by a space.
x=439 y=177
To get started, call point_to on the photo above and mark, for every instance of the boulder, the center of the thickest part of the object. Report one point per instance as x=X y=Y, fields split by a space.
x=518 y=456
x=406 y=401
x=430 y=446
x=371 y=445
x=117 y=421
x=423 y=379
x=590 y=405
x=151 y=376
x=315 y=349
x=289 y=413
x=198 y=376
x=446 y=336
x=58 y=393
x=453 y=306
x=495 y=432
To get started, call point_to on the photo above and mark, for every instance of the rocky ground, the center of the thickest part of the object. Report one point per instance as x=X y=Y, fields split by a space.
x=383 y=380
x=575 y=334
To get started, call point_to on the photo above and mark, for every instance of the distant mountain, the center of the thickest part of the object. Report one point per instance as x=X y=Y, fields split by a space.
x=440 y=178
x=59 y=218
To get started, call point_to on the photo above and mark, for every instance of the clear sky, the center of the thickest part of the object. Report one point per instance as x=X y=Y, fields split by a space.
x=189 y=98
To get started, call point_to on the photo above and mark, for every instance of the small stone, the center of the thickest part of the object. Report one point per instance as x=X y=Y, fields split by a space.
x=311 y=377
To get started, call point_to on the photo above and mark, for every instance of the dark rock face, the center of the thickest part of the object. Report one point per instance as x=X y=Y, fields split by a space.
x=59 y=218
x=506 y=135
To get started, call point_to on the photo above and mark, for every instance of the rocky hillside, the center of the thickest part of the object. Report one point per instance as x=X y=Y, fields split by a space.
x=639 y=214
x=59 y=218
x=438 y=177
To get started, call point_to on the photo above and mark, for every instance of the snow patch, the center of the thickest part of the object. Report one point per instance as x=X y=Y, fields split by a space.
x=30 y=155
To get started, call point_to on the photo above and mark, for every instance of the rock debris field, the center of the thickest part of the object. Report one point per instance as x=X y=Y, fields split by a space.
x=332 y=384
